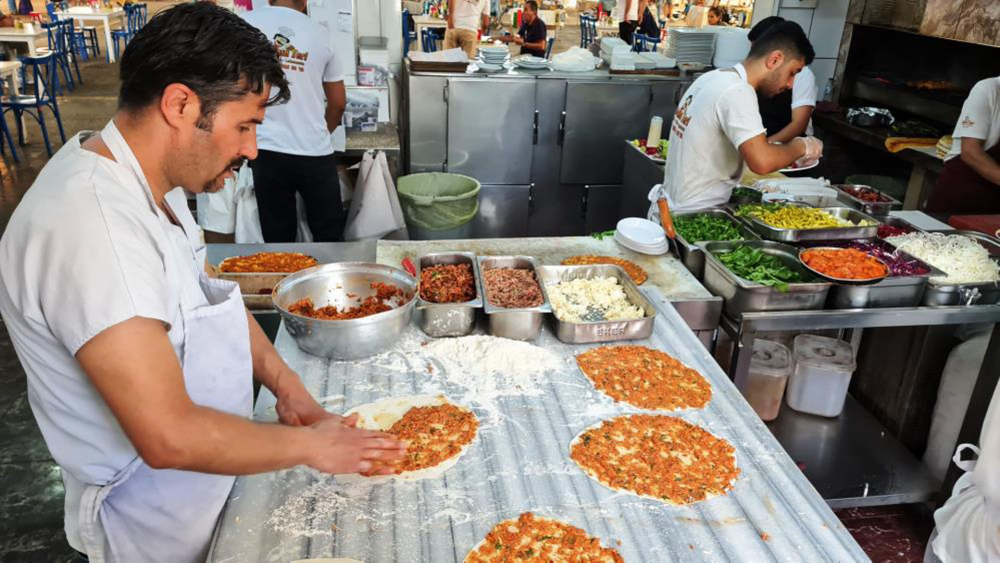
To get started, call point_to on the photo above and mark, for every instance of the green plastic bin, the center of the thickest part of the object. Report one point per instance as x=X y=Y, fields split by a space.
x=438 y=200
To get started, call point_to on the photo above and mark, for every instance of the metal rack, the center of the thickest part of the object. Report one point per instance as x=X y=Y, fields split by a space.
x=853 y=460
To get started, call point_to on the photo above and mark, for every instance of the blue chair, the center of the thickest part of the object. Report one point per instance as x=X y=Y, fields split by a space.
x=584 y=40
x=429 y=40
x=590 y=28
x=133 y=15
x=43 y=73
x=85 y=37
x=409 y=35
x=143 y=15
x=5 y=136
x=644 y=43
x=59 y=46
x=548 y=46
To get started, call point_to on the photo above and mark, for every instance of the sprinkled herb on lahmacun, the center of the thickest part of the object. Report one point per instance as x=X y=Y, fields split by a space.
x=644 y=378
x=535 y=539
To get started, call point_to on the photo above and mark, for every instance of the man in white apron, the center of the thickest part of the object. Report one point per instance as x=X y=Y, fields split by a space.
x=140 y=366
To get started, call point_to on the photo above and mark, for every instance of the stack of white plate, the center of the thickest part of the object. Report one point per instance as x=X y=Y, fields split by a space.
x=530 y=62
x=731 y=46
x=661 y=60
x=494 y=54
x=642 y=236
x=690 y=45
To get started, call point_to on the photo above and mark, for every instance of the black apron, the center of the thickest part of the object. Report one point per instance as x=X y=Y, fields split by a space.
x=960 y=189
x=776 y=112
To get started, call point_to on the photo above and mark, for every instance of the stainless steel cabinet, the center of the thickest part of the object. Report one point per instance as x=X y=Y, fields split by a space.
x=597 y=117
x=601 y=205
x=503 y=212
x=426 y=133
x=666 y=97
x=491 y=125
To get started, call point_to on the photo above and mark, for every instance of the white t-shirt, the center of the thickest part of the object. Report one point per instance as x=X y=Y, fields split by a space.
x=299 y=126
x=86 y=250
x=804 y=93
x=633 y=11
x=980 y=118
x=718 y=113
x=469 y=14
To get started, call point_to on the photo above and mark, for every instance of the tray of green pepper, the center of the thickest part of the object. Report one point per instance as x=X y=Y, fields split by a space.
x=714 y=224
x=753 y=276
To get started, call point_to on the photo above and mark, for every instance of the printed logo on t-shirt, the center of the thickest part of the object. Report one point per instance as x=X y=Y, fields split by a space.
x=681 y=117
x=967 y=122
x=291 y=58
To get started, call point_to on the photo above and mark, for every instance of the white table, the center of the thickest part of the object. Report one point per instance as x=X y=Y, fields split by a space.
x=83 y=14
x=420 y=23
x=11 y=37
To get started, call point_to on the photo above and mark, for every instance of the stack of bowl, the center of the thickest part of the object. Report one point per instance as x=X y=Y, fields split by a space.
x=642 y=236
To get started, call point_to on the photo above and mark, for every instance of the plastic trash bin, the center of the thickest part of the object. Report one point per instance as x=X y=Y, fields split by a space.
x=438 y=201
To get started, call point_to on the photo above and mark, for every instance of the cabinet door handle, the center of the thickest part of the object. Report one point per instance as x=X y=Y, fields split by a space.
x=534 y=130
x=677 y=94
x=562 y=128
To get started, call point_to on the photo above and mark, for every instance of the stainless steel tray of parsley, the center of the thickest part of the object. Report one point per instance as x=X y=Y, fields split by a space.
x=780 y=282
x=705 y=225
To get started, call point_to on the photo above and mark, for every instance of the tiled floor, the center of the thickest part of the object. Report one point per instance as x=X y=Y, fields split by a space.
x=31 y=512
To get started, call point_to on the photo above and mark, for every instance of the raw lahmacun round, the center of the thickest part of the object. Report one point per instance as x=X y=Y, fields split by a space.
x=633 y=270
x=534 y=539
x=658 y=457
x=644 y=378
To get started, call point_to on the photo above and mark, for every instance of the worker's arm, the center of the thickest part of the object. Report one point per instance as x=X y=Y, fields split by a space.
x=765 y=158
x=451 y=14
x=797 y=128
x=486 y=24
x=975 y=156
x=536 y=45
x=336 y=101
x=628 y=9
x=134 y=368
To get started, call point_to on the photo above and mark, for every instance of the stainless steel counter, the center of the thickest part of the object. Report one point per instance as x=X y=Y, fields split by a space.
x=519 y=462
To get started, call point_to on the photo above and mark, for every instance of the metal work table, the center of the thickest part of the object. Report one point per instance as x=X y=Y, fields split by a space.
x=852 y=459
x=519 y=462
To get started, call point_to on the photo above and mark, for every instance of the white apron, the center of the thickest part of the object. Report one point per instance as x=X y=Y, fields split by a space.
x=169 y=516
x=968 y=525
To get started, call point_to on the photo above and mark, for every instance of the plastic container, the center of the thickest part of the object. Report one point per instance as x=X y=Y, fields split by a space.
x=438 y=200
x=823 y=370
x=770 y=367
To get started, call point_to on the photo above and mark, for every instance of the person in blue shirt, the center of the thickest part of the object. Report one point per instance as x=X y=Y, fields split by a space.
x=532 y=35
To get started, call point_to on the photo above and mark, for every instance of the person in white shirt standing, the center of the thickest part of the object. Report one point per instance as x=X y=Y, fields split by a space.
x=139 y=365
x=789 y=114
x=717 y=127
x=627 y=14
x=465 y=19
x=296 y=148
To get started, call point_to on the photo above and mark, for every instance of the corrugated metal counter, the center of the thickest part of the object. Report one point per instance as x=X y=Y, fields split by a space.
x=519 y=462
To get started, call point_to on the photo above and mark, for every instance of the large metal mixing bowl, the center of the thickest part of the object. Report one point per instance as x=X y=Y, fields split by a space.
x=342 y=285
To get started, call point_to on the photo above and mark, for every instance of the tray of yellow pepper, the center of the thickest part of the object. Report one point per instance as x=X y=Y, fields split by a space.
x=789 y=223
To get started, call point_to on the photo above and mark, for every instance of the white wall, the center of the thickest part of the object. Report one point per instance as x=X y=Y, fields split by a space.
x=824 y=25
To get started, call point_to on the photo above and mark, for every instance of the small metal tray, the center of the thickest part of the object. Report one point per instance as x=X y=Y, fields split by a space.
x=985 y=293
x=768 y=232
x=518 y=324
x=692 y=255
x=252 y=287
x=893 y=291
x=600 y=331
x=869 y=207
x=743 y=296
x=448 y=319
x=899 y=222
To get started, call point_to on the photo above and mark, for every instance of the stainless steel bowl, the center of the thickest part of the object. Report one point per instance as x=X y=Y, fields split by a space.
x=848 y=281
x=344 y=284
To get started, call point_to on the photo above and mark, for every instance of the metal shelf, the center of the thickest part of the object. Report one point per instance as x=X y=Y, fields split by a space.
x=852 y=460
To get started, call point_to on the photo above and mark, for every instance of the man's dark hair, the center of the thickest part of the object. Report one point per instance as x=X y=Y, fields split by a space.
x=532 y=4
x=762 y=26
x=210 y=50
x=786 y=37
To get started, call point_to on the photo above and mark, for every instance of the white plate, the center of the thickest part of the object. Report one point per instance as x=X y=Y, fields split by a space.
x=642 y=232
x=810 y=167
x=488 y=68
x=651 y=251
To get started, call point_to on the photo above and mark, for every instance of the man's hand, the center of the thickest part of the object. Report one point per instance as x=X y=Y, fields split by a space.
x=341 y=448
x=518 y=40
x=296 y=407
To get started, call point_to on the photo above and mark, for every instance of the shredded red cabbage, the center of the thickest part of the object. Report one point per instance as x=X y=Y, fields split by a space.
x=899 y=264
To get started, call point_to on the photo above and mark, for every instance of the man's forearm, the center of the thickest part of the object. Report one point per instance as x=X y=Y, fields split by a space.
x=538 y=45
x=983 y=164
x=268 y=367
x=795 y=128
x=334 y=115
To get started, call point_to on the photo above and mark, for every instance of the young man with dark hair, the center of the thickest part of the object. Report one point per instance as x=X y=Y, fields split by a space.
x=533 y=34
x=789 y=114
x=296 y=149
x=717 y=127
x=139 y=366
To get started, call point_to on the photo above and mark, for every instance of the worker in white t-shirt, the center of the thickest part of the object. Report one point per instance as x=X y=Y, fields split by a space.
x=970 y=181
x=465 y=19
x=139 y=365
x=296 y=147
x=627 y=14
x=789 y=114
x=717 y=127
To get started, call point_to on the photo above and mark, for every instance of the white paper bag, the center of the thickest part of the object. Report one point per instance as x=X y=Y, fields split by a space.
x=247 y=220
x=375 y=210
x=217 y=212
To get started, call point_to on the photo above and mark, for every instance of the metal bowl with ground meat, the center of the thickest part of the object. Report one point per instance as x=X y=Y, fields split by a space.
x=449 y=294
x=346 y=310
x=513 y=296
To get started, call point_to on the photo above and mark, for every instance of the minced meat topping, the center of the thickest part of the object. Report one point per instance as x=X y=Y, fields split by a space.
x=448 y=283
x=645 y=378
x=434 y=434
x=533 y=539
x=270 y=262
x=512 y=288
x=385 y=299
x=660 y=457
